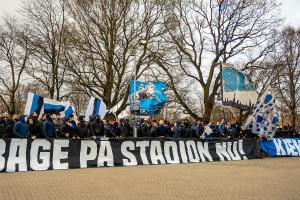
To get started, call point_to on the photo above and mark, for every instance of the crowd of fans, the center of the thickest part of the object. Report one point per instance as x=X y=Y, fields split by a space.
x=53 y=126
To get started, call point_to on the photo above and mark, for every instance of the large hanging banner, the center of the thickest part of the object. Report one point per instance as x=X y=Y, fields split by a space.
x=150 y=94
x=239 y=89
x=281 y=147
x=47 y=154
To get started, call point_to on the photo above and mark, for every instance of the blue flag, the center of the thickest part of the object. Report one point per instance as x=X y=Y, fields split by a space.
x=151 y=95
x=239 y=90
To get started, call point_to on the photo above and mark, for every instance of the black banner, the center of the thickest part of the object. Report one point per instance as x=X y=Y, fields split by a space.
x=43 y=154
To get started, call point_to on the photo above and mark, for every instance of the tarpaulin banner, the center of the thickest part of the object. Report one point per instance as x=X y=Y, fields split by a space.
x=47 y=154
x=239 y=90
x=281 y=147
x=150 y=94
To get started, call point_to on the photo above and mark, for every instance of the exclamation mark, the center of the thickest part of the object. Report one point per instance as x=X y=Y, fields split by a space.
x=241 y=150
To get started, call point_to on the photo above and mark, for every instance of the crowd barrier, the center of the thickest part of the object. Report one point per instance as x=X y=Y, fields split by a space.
x=48 y=154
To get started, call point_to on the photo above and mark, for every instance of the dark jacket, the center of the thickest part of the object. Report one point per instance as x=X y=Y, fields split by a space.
x=34 y=129
x=66 y=129
x=125 y=129
x=97 y=128
x=82 y=130
x=58 y=126
x=153 y=131
x=21 y=128
x=162 y=131
x=177 y=130
x=110 y=131
x=6 y=128
x=49 y=128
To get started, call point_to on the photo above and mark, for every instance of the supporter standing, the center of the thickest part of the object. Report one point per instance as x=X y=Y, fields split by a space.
x=90 y=124
x=177 y=129
x=97 y=130
x=110 y=128
x=33 y=127
x=153 y=129
x=82 y=130
x=34 y=116
x=41 y=124
x=66 y=131
x=199 y=130
x=221 y=128
x=168 y=128
x=162 y=131
x=58 y=123
x=20 y=128
x=194 y=129
x=7 y=125
x=124 y=128
x=49 y=127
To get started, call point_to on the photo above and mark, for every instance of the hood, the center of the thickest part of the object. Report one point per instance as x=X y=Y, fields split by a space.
x=22 y=118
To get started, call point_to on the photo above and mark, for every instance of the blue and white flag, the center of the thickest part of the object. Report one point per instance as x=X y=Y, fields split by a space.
x=151 y=95
x=239 y=89
x=264 y=118
x=40 y=105
x=56 y=107
x=34 y=103
x=95 y=107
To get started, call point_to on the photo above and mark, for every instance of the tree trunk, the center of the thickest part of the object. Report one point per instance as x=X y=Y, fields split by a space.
x=12 y=106
x=208 y=105
x=51 y=93
x=294 y=116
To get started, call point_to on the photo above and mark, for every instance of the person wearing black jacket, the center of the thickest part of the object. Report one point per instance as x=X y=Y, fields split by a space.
x=66 y=131
x=34 y=116
x=110 y=128
x=90 y=124
x=33 y=127
x=97 y=129
x=162 y=130
x=125 y=129
x=81 y=130
x=7 y=125
x=3 y=126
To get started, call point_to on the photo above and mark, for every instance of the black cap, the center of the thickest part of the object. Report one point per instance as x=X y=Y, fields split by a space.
x=81 y=118
x=110 y=116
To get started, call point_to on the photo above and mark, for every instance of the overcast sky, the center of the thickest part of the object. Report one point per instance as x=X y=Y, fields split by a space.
x=290 y=9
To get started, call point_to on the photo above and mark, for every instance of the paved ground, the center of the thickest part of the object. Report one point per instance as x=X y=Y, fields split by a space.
x=255 y=179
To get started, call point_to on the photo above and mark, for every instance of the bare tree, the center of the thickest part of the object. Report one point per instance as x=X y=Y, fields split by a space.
x=47 y=24
x=14 y=54
x=204 y=33
x=106 y=45
x=288 y=75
